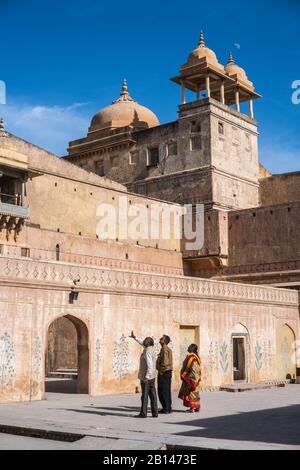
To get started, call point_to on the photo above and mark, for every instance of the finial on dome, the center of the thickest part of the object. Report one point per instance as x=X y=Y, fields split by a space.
x=124 y=96
x=201 y=40
x=3 y=133
x=124 y=87
x=230 y=60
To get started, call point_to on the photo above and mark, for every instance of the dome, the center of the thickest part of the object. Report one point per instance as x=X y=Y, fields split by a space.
x=124 y=112
x=202 y=51
x=233 y=69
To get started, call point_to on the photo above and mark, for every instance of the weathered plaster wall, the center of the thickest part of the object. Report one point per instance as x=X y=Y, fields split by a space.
x=111 y=303
x=61 y=347
x=235 y=150
x=41 y=160
x=190 y=187
x=231 y=192
x=71 y=207
x=65 y=198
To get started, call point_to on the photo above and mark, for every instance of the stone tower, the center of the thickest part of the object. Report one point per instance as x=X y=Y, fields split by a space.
x=209 y=155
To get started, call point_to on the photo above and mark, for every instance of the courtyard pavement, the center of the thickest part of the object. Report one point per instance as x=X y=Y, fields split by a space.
x=260 y=419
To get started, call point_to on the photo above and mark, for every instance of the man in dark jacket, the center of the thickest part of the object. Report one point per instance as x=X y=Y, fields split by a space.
x=164 y=366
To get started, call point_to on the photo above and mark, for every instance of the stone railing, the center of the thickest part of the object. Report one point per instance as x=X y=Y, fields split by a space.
x=13 y=251
x=33 y=272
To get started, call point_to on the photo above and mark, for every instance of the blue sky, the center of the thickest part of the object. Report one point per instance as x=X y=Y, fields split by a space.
x=64 y=60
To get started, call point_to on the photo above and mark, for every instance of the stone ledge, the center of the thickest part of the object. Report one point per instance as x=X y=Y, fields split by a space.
x=44 y=273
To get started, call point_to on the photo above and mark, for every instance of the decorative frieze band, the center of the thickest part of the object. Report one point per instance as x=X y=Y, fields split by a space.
x=45 y=272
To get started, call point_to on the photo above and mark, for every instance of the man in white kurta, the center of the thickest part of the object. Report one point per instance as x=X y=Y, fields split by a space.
x=147 y=376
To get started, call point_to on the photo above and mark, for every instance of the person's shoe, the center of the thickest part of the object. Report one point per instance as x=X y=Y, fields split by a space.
x=154 y=416
x=141 y=415
x=164 y=412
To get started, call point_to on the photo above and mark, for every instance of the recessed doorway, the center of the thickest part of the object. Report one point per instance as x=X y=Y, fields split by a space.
x=240 y=353
x=67 y=356
x=239 y=363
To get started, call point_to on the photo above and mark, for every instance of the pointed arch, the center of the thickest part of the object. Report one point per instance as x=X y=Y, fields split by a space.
x=82 y=344
x=286 y=352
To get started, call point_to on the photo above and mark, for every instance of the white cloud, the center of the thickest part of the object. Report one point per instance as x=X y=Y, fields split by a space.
x=280 y=158
x=237 y=45
x=50 y=127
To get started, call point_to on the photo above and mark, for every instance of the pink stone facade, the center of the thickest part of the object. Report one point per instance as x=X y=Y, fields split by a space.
x=237 y=296
x=111 y=302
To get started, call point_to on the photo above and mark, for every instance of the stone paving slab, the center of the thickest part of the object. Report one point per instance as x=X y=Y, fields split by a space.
x=262 y=419
x=12 y=442
x=247 y=387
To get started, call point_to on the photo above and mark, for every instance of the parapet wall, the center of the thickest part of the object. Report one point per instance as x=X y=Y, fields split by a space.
x=280 y=189
x=267 y=233
x=113 y=302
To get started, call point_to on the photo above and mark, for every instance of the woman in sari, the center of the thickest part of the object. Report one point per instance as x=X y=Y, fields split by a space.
x=191 y=375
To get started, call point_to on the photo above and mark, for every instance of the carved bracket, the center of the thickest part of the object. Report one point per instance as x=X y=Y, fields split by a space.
x=11 y=223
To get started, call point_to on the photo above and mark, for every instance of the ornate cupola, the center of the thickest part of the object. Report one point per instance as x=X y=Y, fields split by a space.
x=204 y=75
x=242 y=89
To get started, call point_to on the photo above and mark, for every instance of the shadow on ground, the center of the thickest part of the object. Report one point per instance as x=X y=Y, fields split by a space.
x=114 y=411
x=276 y=425
x=61 y=386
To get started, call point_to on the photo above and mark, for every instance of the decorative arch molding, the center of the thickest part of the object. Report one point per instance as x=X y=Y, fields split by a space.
x=283 y=324
x=73 y=315
x=240 y=353
x=240 y=329
x=286 y=352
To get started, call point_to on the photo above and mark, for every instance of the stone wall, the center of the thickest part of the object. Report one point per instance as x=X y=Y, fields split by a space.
x=230 y=192
x=189 y=187
x=280 y=189
x=113 y=302
x=46 y=162
x=61 y=350
x=269 y=234
x=63 y=198
x=234 y=147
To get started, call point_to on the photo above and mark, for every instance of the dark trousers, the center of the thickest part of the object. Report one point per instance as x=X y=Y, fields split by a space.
x=149 y=390
x=164 y=390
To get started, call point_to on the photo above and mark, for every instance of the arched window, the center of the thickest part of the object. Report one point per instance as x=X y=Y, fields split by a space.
x=57 y=252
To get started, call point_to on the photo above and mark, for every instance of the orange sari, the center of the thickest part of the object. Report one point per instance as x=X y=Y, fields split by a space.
x=191 y=376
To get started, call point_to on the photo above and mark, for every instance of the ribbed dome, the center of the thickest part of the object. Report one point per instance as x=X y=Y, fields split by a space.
x=202 y=51
x=124 y=112
x=233 y=69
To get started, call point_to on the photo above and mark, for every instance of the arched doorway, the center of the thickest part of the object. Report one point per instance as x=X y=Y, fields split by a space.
x=286 y=353
x=67 y=356
x=240 y=345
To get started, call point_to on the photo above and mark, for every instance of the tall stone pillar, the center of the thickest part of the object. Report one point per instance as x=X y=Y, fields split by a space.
x=237 y=100
x=207 y=85
x=183 y=93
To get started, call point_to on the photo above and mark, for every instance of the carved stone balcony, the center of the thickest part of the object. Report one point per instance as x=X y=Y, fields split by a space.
x=12 y=214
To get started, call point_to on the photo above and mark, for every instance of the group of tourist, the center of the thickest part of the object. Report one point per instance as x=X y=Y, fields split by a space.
x=161 y=367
